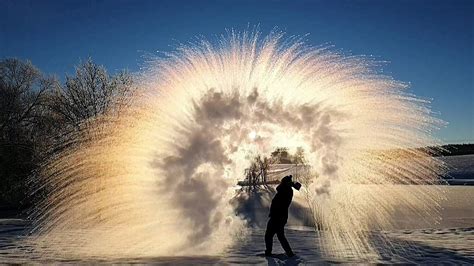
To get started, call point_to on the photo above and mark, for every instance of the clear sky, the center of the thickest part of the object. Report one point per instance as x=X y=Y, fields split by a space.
x=427 y=43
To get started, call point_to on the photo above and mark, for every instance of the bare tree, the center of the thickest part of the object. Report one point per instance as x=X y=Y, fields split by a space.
x=281 y=155
x=299 y=160
x=91 y=92
x=257 y=173
x=22 y=89
x=22 y=123
x=36 y=112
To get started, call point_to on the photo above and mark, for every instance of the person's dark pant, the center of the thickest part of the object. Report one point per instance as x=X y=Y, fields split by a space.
x=276 y=227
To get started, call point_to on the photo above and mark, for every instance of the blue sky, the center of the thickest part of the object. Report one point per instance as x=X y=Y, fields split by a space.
x=427 y=43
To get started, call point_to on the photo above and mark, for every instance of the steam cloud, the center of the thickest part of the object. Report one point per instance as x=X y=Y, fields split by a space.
x=197 y=191
x=158 y=181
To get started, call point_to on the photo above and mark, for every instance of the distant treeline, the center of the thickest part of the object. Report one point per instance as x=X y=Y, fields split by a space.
x=456 y=149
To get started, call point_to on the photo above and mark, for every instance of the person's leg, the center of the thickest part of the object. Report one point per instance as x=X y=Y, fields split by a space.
x=284 y=243
x=269 y=233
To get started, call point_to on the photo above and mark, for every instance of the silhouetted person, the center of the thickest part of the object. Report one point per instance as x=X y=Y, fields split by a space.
x=279 y=215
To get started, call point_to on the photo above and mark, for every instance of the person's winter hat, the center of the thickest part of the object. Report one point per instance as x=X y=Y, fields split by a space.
x=287 y=179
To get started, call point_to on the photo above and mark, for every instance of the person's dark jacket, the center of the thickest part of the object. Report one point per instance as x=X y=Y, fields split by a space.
x=281 y=202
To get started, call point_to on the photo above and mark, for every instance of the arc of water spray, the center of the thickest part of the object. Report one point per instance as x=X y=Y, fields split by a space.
x=157 y=179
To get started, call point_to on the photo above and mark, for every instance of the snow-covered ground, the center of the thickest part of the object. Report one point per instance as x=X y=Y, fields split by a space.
x=451 y=241
x=425 y=246
x=461 y=169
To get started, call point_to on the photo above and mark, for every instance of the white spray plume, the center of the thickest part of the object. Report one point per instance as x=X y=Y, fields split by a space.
x=158 y=179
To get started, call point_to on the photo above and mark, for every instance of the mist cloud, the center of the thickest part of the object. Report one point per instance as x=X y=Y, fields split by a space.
x=197 y=191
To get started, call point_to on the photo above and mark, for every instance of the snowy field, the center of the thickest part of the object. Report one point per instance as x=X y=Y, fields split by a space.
x=449 y=242
x=425 y=246
x=461 y=169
